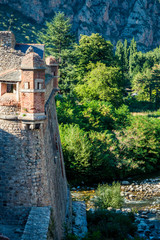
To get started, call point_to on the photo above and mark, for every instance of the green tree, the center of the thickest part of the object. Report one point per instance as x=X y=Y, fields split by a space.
x=142 y=85
x=93 y=48
x=120 y=54
x=139 y=146
x=68 y=73
x=59 y=41
x=101 y=82
x=121 y=57
x=156 y=84
x=76 y=150
x=57 y=35
x=126 y=55
x=132 y=51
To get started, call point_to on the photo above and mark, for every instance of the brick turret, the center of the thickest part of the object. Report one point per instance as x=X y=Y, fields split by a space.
x=52 y=66
x=32 y=87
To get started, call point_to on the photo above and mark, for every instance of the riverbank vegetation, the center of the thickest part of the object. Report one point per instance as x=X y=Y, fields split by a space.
x=102 y=106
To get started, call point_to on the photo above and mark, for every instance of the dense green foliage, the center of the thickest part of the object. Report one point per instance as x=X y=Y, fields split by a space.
x=101 y=83
x=101 y=140
x=91 y=115
x=109 y=196
x=93 y=49
x=103 y=225
x=139 y=146
x=88 y=156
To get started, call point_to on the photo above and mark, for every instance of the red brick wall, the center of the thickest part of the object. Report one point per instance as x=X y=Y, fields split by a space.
x=32 y=102
x=27 y=103
x=55 y=82
x=39 y=100
x=40 y=74
x=28 y=76
x=3 y=88
x=54 y=70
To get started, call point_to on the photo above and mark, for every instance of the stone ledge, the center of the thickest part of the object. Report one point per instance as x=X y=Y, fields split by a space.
x=37 y=224
x=32 y=117
x=79 y=218
x=9 y=117
x=32 y=90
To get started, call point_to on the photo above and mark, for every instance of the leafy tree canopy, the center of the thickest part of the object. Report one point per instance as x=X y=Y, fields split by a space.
x=94 y=48
x=103 y=83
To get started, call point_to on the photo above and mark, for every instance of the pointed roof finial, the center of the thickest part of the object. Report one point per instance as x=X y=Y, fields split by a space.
x=29 y=50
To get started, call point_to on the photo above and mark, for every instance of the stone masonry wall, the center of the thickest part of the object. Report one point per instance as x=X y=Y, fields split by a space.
x=23 y=173
x=9 y=111
x=7 y=38
x=55 y=169
x=32 y=170
x=10 y=58
x=37 y=224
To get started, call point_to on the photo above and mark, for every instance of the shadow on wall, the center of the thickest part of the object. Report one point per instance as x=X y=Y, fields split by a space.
x=9 y=145
x=20 y=166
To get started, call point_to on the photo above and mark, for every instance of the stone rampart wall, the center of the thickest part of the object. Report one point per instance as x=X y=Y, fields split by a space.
x=55 y=168
x=32 y=170
x=23 y=173
x=9 y=110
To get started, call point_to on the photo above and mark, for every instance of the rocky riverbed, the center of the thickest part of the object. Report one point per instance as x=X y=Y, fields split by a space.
x=141 y=197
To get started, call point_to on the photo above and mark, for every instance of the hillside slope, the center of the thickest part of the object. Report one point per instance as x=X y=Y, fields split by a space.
x=114 y=19
x=24 y=28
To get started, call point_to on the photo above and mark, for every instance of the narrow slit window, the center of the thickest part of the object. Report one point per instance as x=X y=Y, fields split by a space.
x=39 y=85
x=26 y=85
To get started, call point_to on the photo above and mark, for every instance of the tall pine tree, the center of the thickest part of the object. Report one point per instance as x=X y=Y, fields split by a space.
x=57 y=35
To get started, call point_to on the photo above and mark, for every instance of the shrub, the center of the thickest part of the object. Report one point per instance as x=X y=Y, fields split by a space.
x=140 y=146
x=88 y=157
x=103 y=161
x=110 y=225
x=76 y=151
x=109 y=196
x=122 y=117
x=91 y=115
